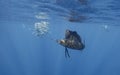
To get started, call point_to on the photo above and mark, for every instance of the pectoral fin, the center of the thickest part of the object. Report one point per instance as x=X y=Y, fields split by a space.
x=66 y=53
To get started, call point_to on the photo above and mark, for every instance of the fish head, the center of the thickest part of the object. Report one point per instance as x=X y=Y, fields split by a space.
x=61 y=42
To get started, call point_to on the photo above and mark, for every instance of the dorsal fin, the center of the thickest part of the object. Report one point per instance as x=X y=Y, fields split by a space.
x=72 y=35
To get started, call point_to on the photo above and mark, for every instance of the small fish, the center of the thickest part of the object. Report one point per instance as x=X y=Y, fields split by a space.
x=72 y=40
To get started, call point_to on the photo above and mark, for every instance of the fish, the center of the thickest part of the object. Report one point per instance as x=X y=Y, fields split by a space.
x=72 y=40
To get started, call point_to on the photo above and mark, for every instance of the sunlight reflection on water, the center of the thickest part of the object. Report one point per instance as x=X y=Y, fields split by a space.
x=41 y=28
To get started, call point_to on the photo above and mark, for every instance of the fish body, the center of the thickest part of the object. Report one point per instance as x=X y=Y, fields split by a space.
x=72 y=40
x=71 y=44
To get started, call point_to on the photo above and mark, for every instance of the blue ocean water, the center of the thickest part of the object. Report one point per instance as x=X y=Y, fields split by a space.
x=29 y=28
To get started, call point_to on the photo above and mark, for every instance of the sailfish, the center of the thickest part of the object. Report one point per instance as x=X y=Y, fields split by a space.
x=72 y=40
